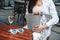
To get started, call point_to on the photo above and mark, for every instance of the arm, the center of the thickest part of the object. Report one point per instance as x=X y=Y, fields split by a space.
x=53 y=13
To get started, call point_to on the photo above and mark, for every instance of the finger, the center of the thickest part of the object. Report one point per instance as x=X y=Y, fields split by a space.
x=37 y=26
x=38 y=30
x=36 y=14
x=35 y=29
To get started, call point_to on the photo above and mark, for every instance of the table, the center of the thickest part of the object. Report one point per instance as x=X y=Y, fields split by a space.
x=5 y=34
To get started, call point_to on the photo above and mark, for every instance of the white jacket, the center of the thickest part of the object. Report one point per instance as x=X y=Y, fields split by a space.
x=49 y=8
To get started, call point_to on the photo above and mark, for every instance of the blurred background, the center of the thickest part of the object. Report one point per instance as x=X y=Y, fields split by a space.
x=10 y=7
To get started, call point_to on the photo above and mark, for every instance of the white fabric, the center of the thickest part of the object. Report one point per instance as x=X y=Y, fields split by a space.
x=47 y=8
x=36 y=36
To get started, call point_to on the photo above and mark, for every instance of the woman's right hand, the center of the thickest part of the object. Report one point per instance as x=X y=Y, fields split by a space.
x=37 y=13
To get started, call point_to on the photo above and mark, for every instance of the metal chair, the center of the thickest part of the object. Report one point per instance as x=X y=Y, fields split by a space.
x=1 y=3
x=20 y=9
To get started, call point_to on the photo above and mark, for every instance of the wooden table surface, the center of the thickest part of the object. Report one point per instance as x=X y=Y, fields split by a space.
x=5 y=34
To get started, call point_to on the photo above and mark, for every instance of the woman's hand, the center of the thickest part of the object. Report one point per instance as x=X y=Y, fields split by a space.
x=39 y=28
x=37 y=13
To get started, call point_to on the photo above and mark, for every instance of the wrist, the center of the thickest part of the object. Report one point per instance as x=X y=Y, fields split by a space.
x=45 y=27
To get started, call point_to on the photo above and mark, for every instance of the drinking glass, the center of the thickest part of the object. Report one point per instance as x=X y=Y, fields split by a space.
x=10 y=19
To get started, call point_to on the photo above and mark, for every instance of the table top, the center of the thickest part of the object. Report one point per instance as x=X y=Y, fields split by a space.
x=6 y=35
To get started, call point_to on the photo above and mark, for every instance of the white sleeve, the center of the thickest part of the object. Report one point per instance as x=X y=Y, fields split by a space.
x=53 y=13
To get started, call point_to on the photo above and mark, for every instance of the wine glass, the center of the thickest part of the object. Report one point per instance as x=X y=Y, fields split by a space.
x=10 y=19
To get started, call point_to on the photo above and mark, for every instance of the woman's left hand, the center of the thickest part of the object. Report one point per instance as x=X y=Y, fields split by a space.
x=39 y=28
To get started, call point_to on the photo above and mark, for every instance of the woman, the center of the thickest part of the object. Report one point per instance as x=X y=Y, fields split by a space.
x=47 y=7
